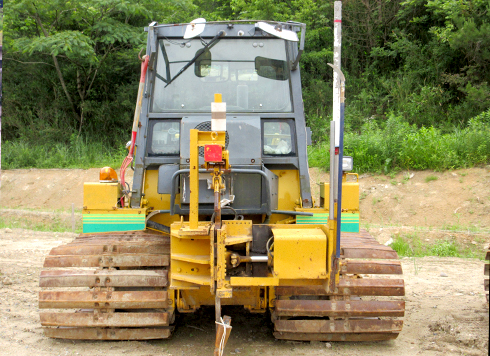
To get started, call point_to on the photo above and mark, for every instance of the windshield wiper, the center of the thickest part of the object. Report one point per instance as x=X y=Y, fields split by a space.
x=198 y=54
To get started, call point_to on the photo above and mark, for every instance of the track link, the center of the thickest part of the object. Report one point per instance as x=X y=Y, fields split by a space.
x=362 y=307
x=108 y=286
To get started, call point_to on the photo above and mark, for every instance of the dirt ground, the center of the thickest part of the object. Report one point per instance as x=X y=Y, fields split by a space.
x=446 y=311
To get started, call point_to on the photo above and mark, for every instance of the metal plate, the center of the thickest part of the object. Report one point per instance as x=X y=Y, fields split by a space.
x=338 y=326
x=113 y=278
x=351 y=286
x=336 y=337
x=108 y=334
x=129 y=260
x=104 y=319
x=355 y=308
x=368 y=252
x=107 y=300
x=111 y=248
x=372 y=267
x=373 y=287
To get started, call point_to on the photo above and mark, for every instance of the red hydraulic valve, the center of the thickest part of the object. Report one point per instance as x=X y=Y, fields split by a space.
x=213 y=153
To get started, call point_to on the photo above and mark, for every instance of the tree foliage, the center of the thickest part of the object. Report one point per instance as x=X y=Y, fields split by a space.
x=71 y=68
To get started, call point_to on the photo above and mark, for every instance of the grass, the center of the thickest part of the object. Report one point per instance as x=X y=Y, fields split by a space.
x=410 y=245
x=79 y=153
x=396 y=145
x=53 y=223
x=430 y=178
x=62 y=210
x=456 y=227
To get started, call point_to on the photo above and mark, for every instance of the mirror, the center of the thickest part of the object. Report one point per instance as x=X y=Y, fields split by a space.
x=278 y=31
x=202 y=68
x=272 y=68
x=195 y=28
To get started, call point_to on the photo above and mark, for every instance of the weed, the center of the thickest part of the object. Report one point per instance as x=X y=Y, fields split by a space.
x=444 y=249
x=461 y=180
x=394 y=182
x=363 y=195
x=53 y=224
x=464 y=174
x=78 y=153
x=415 y=267
x=410 y=245
x=430 y=178
x=402 y=247
x=398 y=145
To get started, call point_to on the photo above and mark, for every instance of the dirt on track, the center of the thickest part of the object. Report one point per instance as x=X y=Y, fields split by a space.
x=446 y=311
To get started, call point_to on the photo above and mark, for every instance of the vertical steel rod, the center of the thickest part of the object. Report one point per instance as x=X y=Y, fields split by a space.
x=341 y=156
x=331 y=214
x=337 y=114
x=337 y=46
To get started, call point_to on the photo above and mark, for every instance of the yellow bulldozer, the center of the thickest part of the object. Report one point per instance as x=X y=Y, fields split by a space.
x=220 y=209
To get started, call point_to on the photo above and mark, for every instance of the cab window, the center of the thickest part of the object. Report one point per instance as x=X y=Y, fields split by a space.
x=165 y=138
x=278 y=138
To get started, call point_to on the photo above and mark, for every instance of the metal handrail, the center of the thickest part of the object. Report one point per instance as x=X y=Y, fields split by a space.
x=243 y=171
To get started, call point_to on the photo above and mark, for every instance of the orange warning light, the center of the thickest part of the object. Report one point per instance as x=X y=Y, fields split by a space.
x=107 y=175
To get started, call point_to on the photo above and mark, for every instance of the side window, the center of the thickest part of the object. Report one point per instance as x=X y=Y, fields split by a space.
x=165 y=138
x=278 y=138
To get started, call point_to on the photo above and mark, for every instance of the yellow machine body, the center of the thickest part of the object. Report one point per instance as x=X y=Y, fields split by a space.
x=101 y=195
x=300 y=253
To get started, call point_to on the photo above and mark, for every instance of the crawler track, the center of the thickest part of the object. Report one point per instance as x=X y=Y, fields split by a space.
x=109 y=286
x=362 y=307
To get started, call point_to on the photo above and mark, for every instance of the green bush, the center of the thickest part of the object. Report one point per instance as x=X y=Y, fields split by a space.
x=444 y=249
x=79 y=153
x=397 y=145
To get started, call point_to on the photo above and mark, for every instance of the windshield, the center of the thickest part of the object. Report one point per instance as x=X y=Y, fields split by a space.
x=252 y=75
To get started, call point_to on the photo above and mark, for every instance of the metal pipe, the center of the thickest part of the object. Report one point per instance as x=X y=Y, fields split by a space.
x=331 y=203
x=254 y=258
x=236 y=259
x=244 y=171
x=337 y=47
x=174 y=186
x=156 y=212
x=341 y=156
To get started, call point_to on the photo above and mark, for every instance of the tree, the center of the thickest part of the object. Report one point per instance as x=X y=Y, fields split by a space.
x=81 y=38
